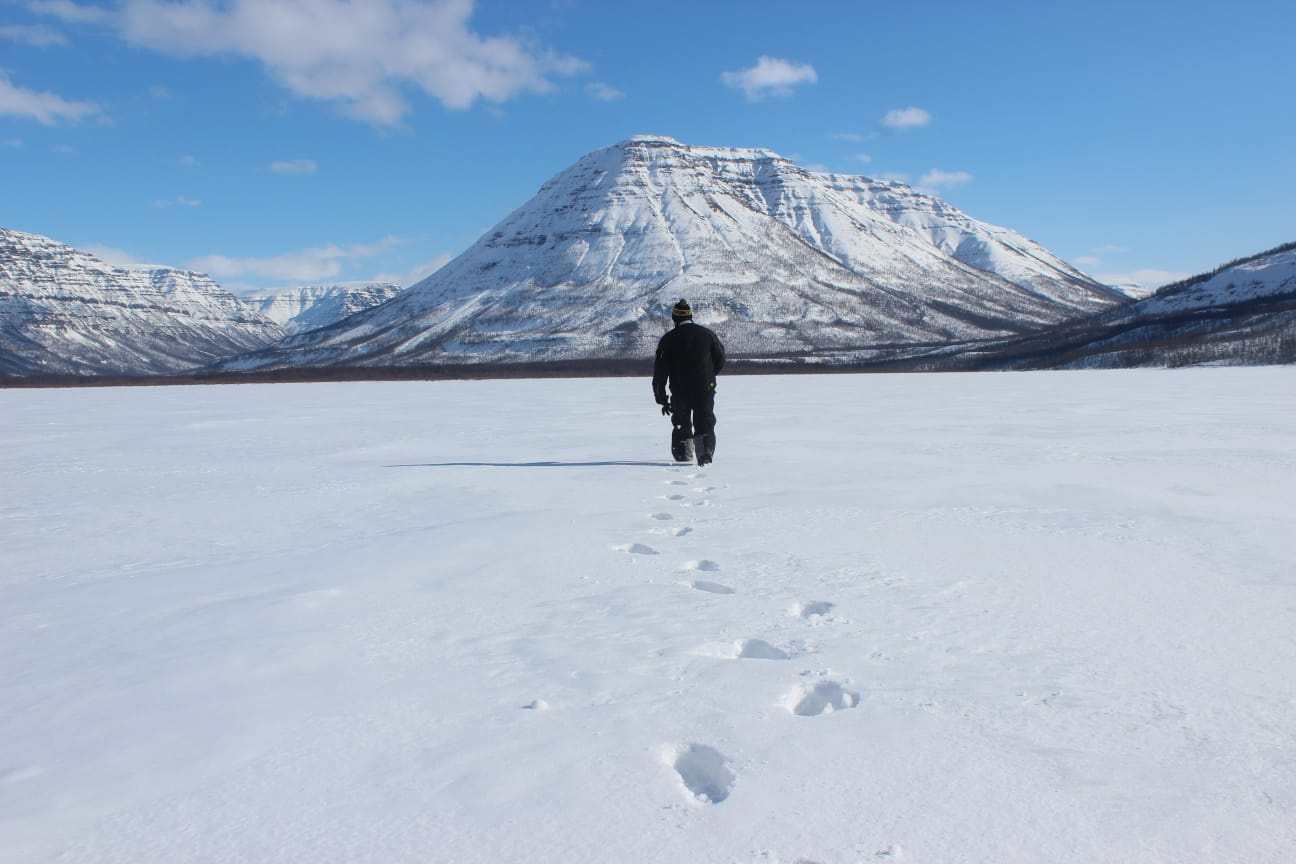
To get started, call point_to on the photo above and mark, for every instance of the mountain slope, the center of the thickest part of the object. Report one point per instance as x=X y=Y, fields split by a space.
x=1242 y=313
x=780 y=260
x=298 y=310
x=65 y=312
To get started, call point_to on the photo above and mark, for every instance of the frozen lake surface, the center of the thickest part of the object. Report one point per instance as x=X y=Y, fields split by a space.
x=942 y=618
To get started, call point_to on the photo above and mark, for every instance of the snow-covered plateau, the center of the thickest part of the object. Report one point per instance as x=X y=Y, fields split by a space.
x=66 y=312
x=1017 y=617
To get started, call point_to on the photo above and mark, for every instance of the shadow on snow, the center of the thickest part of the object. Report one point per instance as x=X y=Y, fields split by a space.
x=607 y=464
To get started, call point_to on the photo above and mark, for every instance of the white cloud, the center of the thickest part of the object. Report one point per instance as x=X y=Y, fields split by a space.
x=188 y=161
x=37 y=35
x=304 y=266
x=1087 y=261
x=906 y=118
x=938 y=179
x=770 y=77
x=862 y=157
x=416 y=274
x=115 y=257
x=1146 y=278
x=47 y=109
x=66 y=10
x=296 y=166
x=179 y=201
x=604 y=92
x=360 y=56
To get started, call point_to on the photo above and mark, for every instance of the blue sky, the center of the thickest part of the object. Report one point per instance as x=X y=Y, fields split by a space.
x=284 y=142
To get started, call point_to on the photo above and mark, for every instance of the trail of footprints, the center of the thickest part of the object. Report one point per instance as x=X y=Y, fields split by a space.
x=704 y=771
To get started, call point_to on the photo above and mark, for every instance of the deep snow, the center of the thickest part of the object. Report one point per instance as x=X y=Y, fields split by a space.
x=942 y=618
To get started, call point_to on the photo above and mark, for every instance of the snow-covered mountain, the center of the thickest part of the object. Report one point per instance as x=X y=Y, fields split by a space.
x=66 y=312
x=298 y=310
x=1242 y=313
x=1268 y=275
x=779 y=259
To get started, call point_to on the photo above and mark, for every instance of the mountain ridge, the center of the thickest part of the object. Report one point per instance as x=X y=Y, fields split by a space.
x=64 y=311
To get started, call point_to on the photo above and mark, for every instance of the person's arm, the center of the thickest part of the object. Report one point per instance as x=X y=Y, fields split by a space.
x=660 y=371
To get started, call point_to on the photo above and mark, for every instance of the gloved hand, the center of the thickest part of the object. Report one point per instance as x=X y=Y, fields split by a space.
x=665 y=410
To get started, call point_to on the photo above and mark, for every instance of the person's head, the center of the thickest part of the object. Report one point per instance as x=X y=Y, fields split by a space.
x=681 y=312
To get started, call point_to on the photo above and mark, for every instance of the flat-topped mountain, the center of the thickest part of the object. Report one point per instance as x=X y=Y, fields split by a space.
x=781 y=260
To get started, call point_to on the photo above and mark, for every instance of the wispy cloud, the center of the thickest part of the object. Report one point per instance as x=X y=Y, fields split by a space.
x=188 y=161
x=36 y=35
x=770 y=77
x=179 y=201
x=361 y=57
x=296 y=166
x=13 y=143
x=115 y=257
x=906 y=118
x=938 y=179
x=1087 y=261
x=862 y=157
x=66 y=10
x=300 y=267
x=604 y=92
x=1146 y=278
x=48 y=109
x=418 y=273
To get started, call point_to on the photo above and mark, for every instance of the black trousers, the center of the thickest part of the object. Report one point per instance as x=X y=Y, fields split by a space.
x=690 y=418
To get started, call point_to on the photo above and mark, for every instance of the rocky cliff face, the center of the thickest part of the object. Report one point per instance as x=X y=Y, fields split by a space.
x=778 y=259
x=66 y=312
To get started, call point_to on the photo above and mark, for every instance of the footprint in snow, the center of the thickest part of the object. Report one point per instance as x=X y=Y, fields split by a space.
x=743 y=649
x=759 y=649
x=673 y=497
x=820 y=697
x=662 y=517
x=677 y=531
x=704 y=564
x=712 y=587
x=704 y=771
x=812 y=609
x=635 y=549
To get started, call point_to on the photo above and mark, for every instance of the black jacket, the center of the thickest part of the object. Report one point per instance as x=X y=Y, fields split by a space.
x=689 y=357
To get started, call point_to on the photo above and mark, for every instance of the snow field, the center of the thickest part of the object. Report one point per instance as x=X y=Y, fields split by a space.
x=1016 y=617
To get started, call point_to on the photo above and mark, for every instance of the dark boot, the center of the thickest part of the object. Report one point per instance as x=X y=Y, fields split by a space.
x=681 y=446
x=704 y=448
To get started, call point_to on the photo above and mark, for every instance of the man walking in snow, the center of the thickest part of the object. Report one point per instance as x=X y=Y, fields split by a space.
x=688 y=357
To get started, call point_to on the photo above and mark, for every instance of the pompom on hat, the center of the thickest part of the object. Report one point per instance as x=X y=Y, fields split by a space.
x=682 y=311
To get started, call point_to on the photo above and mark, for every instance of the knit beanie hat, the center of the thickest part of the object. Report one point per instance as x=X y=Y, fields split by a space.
x=682 y=311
